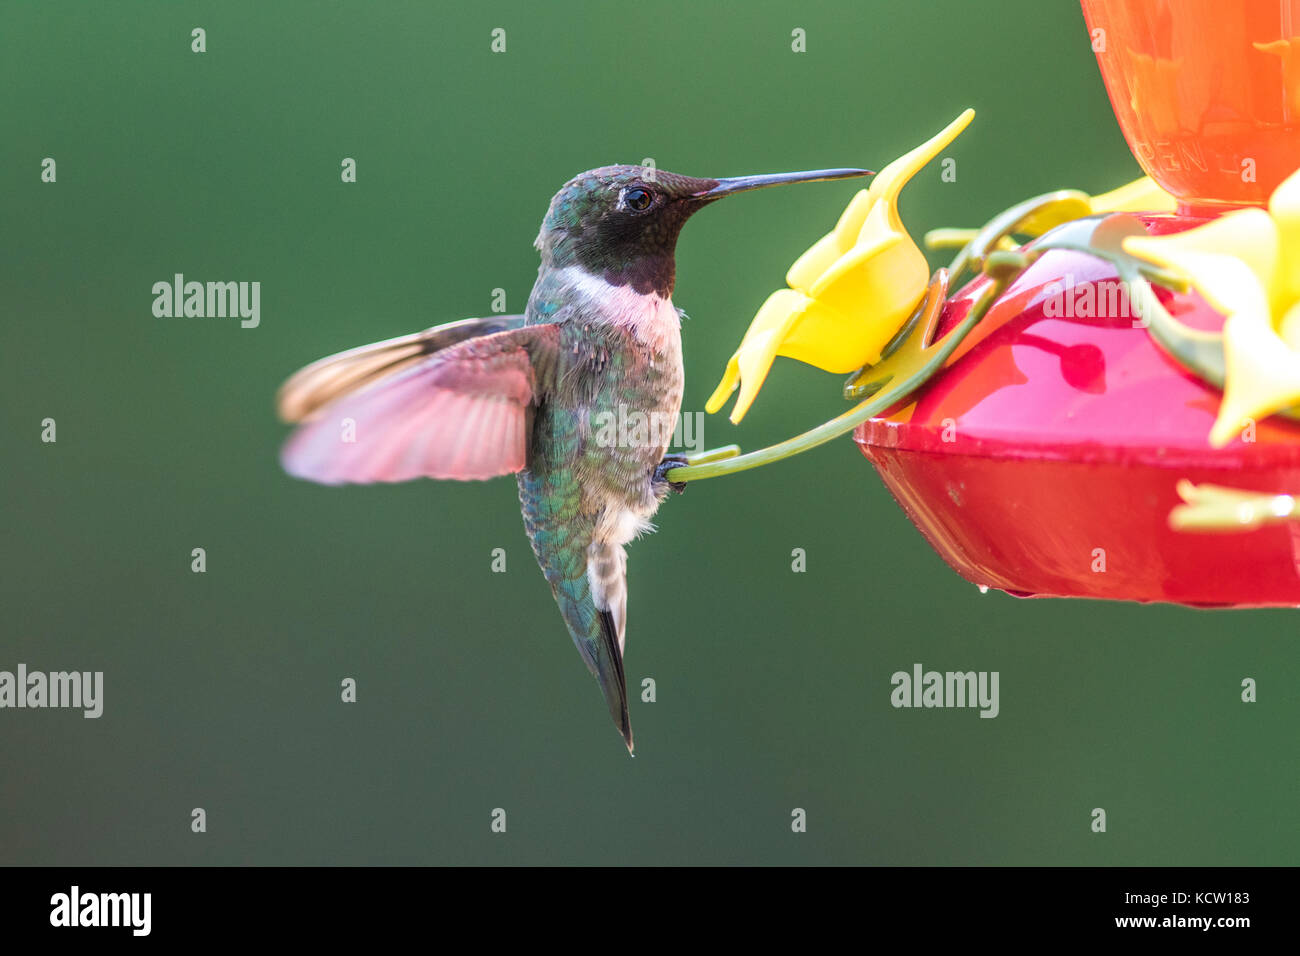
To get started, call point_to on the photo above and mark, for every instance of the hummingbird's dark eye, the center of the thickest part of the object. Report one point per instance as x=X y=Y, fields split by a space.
x=638 y=199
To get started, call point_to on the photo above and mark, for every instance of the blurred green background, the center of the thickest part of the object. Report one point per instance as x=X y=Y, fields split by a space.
x=222 y=689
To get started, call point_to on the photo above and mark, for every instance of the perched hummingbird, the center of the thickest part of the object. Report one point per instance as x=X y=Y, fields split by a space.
x=600 y=341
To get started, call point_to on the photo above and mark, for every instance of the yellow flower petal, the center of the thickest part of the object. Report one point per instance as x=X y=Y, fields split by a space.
x=889 y=182
x=949 y=238
x=824 y=338
x=1049 y=217
x=849 y=293
x=1289 y=327
x=758 y=350
x=884 y=190
x=883 y=193
x=1248 y=236
x=882 y=279
x=730 y=378
x=1263 y=374
x=831 y=246
x=1284 y=207
x=1141 y=195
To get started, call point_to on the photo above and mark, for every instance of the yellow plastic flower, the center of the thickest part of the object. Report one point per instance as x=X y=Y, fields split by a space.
x=849 y=294
x=1141 y=195
x=1247 y=265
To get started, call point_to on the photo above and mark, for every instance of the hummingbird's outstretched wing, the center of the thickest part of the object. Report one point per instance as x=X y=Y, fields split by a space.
x=315 y=386
x=463 y=412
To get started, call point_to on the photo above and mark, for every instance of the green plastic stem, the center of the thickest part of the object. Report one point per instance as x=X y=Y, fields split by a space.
x=881 y=402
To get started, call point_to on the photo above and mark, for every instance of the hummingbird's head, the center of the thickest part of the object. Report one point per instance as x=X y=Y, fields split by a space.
x=621 y=223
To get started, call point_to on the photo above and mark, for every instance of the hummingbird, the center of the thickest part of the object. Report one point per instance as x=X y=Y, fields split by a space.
x=531 y=395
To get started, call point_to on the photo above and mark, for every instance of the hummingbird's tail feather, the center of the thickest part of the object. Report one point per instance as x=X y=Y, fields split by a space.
x=597 y=635
x=607 y=577
x=611 y=649
x=315 y=386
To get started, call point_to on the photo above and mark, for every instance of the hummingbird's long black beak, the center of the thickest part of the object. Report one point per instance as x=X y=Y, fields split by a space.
x=740 y=184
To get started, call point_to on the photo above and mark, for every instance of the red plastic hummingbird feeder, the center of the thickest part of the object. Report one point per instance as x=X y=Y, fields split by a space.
x=1044 y=458
x=1042 y=424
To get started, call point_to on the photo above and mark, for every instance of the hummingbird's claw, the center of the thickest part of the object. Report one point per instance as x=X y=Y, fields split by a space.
x=660 y=478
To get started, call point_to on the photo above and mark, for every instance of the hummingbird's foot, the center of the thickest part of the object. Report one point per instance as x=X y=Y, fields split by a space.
x=660 y=482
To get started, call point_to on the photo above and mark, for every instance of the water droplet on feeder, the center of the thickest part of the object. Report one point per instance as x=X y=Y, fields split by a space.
x=984 y=589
